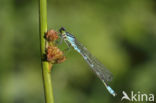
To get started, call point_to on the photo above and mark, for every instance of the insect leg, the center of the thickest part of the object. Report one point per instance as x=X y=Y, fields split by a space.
x=68 y=47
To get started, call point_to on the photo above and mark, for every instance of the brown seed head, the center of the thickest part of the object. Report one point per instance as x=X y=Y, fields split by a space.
x=54 y=54
x=61 y=59
x=51 y=35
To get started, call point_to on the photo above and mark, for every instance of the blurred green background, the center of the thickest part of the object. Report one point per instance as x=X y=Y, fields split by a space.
x=120 y=33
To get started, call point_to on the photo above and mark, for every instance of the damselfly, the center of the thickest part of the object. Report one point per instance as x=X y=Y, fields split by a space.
x=99 y=69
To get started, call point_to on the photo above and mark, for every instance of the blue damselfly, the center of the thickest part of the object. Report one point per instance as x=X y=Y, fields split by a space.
x=99 y=69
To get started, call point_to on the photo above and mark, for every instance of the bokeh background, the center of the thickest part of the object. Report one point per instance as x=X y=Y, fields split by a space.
x=120 y=33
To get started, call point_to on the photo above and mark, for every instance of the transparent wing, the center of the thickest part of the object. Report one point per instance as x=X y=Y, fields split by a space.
x=96 y=65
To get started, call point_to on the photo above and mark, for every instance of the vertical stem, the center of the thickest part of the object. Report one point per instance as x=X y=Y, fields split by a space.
x=48 y=92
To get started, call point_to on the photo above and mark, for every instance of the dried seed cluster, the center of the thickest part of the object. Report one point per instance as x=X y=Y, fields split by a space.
x=51 y=35
x=53 y=53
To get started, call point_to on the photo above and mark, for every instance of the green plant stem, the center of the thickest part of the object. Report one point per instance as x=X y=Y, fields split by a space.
x=48 y=92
